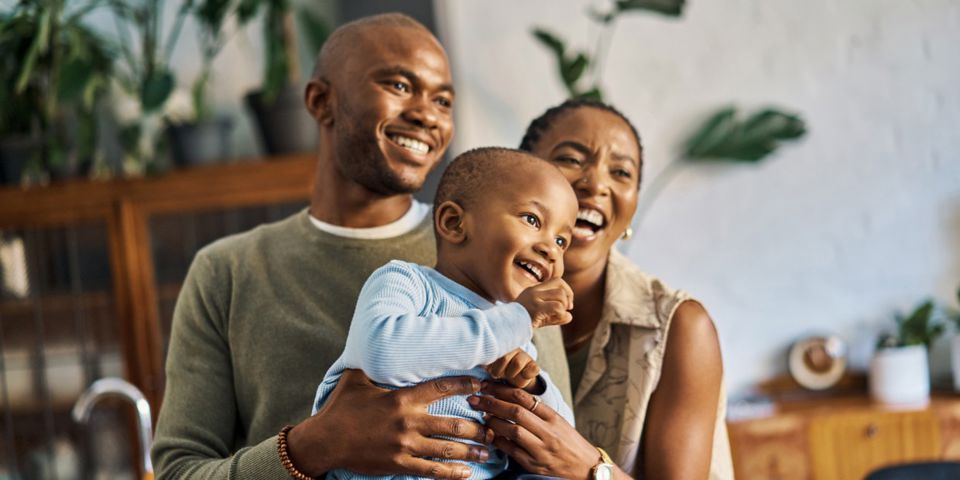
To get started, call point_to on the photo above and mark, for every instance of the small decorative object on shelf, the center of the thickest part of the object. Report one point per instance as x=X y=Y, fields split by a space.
x=899 y=370
x=817 y=363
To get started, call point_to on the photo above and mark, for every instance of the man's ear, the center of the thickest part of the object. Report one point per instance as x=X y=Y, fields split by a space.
x=448 y=222
x=318 y=98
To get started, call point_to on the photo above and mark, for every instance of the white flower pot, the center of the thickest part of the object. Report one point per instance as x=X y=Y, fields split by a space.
x=900 y=377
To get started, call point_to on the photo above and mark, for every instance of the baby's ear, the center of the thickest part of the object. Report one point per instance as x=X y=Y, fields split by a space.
x=448 y=222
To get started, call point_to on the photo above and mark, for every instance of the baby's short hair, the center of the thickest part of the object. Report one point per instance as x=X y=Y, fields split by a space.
x=477 y=171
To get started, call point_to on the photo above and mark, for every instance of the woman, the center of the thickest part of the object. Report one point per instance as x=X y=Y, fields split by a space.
x=644 y=359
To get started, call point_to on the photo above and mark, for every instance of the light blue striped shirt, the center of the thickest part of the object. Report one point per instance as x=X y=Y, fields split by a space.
x=412 y=324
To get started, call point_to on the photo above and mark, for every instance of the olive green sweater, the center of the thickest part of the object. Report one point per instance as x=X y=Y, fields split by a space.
x=261 y=317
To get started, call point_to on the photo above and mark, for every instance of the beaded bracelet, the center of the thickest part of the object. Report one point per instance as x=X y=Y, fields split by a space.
x=285 y=457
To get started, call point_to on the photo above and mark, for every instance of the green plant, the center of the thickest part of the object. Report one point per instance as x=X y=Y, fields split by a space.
x=954 y=314
x=920 y=327
x=281 y=67
x=54 y=68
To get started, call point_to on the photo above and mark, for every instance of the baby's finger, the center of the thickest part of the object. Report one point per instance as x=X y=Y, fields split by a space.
x=530 y=371
x=516 y=366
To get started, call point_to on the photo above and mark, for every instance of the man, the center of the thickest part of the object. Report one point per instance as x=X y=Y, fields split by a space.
x=262 y=315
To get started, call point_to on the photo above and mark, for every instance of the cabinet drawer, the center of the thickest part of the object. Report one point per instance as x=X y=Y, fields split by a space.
x=850 y=445
x=770 y=449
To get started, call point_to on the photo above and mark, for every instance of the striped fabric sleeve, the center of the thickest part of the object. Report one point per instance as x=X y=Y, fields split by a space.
x=396 y=340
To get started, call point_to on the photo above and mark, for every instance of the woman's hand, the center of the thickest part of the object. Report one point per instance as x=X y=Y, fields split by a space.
x=375 y=431
x=540 y=440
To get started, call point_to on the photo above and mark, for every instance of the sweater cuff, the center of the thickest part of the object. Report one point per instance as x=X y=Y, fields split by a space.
x=261 y=461
x=512 y=324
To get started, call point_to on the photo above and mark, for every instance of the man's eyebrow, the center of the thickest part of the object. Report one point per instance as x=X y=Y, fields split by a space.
x=411 y=76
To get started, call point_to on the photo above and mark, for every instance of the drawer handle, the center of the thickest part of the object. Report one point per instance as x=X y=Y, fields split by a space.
x=871 y=431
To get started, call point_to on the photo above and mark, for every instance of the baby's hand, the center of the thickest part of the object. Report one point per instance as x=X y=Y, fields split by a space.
x=548 y=303
x=516 y=368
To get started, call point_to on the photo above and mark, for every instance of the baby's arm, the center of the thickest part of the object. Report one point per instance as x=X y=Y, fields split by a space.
x=396 y=341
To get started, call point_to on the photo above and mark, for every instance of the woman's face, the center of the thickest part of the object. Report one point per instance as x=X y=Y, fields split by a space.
x=598 y=154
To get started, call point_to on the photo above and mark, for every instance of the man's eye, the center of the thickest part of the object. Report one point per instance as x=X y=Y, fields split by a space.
x=531 y=220
x=403 y=87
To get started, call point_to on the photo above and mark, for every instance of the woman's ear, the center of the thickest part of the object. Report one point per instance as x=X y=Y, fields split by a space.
x=448 y=222
x=318 y=98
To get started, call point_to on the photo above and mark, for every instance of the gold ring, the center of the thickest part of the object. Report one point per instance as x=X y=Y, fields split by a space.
x=536 y=403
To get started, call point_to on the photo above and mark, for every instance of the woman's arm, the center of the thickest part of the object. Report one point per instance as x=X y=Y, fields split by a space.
x=680 y=421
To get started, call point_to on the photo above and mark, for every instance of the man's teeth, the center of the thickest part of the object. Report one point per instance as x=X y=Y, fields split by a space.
x=411 y=144
x=590 y=216
x=535 y=270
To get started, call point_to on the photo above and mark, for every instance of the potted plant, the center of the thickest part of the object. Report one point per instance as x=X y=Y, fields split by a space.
x=197 y=136
x=954 y=316
x=55 y=69
x=282 y=120
x=899 y=371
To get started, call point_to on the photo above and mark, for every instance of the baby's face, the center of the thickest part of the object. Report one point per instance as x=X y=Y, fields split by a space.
x=519 y=231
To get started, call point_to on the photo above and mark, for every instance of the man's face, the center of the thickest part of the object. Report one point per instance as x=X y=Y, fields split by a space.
x=517 y=233
x=393 y=109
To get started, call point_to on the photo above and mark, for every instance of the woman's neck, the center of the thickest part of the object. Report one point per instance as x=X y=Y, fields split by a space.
x=588 y=291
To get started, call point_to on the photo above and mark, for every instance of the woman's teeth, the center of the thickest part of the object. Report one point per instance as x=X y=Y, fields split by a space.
x=590 y=216
x=411 y=144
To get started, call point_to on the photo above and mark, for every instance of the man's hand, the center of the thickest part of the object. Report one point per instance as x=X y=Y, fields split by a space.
x=375 y=431
x=518 y=369
x=548 y=303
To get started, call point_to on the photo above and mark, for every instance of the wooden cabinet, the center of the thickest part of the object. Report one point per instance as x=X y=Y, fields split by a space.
x=843 y=439
x=89 y=274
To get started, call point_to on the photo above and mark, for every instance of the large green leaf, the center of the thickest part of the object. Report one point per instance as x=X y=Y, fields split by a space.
x=551 y=41
x=155 y=90
x=920 y=328
x=246 y=10
x=593 y=94
x=723 y=137
x=571 y=70
x=672 y=8
x=211 y=13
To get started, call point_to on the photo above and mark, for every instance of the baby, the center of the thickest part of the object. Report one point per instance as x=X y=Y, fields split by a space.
x=503 y=219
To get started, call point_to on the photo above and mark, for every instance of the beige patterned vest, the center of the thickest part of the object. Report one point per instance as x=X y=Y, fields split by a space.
x=623 y=368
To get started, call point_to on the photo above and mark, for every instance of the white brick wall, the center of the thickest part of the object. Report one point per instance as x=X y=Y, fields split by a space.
x=833 y=234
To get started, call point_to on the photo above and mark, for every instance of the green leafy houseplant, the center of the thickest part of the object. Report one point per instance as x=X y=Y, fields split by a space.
x=920 y=327
x=722 y=137
x=54 y=69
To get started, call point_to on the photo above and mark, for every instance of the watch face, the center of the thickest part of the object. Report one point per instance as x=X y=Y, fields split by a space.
x=604 y=471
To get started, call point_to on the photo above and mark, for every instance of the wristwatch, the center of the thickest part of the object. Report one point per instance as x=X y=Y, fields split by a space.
x=604 y=469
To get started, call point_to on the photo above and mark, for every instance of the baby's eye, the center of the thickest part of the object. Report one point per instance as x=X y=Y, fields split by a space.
x=531 y=220
x=562 y=242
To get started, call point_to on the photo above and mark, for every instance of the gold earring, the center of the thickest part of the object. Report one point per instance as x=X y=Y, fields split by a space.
x=627 y=233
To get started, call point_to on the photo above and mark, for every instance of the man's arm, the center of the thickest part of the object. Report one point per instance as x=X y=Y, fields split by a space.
x=361 y=428
x=196 y=427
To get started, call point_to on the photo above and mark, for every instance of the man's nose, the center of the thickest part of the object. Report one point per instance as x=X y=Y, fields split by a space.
x=422 y=113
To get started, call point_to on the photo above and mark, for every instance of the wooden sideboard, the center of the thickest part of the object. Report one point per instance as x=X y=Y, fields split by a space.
x=843 y=438
x=89 y=274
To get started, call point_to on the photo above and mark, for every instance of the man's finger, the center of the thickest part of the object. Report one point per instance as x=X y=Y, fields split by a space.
x=456 y=428
x=433 y=469
x=450 y=450
x=429 y=392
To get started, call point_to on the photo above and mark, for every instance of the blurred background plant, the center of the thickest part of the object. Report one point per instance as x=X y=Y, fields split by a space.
x=721 y=137
x=55 y=70
x=921 y=327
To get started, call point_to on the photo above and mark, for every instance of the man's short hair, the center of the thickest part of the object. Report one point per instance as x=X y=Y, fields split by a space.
x=477 y=171
x=342 y=37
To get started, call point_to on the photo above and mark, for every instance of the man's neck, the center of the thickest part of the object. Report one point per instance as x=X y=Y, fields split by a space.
x=340 y=201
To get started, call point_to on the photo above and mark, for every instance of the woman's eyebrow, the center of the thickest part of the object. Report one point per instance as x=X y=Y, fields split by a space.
x=623 y=157
x=574 y=145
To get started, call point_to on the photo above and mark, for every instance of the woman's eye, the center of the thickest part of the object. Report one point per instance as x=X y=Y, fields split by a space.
x=622 y=173
x=568 y=160
x=444 y=102
x=531 y=220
